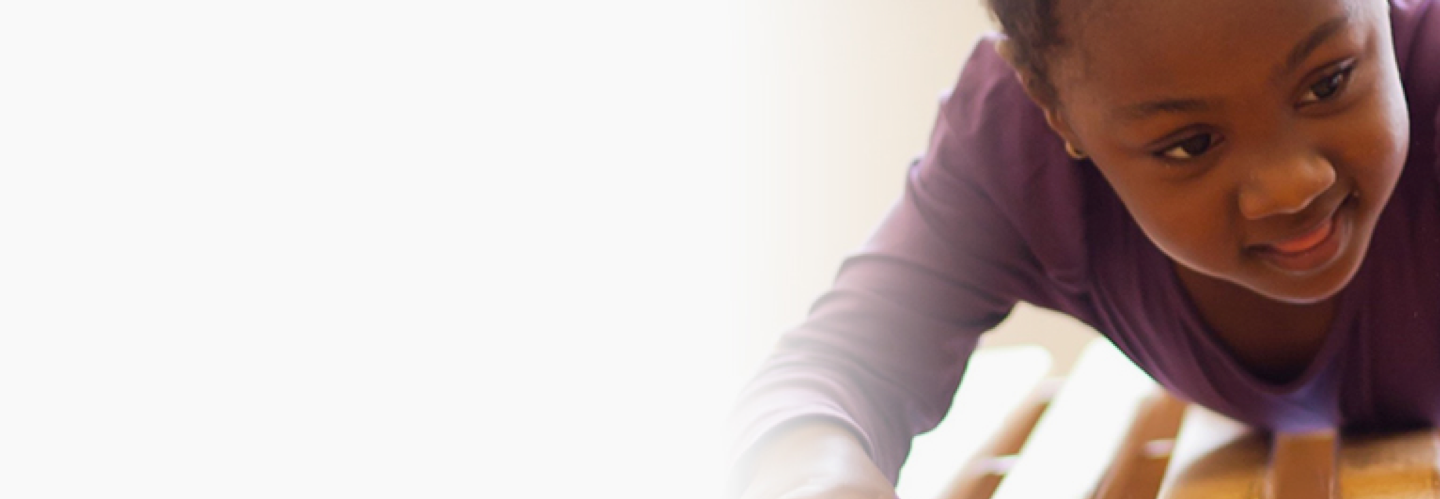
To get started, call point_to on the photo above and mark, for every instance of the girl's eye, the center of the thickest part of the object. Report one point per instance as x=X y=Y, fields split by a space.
x=1190 y=148
x=1327 y=87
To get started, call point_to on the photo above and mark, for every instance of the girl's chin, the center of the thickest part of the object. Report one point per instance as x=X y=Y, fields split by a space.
x=1310 y=289
x=1303 y=297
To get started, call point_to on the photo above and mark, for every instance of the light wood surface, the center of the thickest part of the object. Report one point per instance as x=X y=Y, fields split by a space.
x=979 y=478
x=1216 y=457
x=1394 y=466
x=996 y=385
x=1145 y=453
x=1083 y=431
x=1108 y=432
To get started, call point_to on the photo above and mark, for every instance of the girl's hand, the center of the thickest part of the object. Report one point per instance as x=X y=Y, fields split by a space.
x=815 y=460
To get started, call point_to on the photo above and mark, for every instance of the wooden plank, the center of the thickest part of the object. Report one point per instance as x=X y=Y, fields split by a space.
x=1075 y=441
x=1402 y=465
x=1302 y=465
x=997 y=381
x=1140 y=466
x=1218 y=457
x=979 y=478
x=1215 y=457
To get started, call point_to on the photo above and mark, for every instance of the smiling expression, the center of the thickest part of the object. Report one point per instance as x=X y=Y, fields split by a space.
x=1254 y=141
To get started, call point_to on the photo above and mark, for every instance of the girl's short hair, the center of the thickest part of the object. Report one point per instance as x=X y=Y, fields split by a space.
x=1033 y=34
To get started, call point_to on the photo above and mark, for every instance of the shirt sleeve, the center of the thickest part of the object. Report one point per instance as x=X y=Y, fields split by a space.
x=883 y=351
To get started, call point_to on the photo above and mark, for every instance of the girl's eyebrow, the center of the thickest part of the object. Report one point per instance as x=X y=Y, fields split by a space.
x=1317 y=37
x=1302 y=50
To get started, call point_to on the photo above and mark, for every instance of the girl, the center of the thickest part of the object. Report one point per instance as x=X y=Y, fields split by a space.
x=1242 y=195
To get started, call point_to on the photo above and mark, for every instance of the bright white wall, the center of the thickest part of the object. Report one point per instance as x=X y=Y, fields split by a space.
x=840 y=96
x=312 y=248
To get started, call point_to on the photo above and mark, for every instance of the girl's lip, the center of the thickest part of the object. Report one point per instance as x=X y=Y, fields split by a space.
x=1311 y=250
x=1306 y=241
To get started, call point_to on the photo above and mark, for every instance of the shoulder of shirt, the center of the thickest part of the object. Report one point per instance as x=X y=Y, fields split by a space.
x=1416 y=29
x=997 y=139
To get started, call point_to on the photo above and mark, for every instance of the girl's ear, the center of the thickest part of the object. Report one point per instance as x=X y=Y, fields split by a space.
x=1039 y=91
x=1055 y=117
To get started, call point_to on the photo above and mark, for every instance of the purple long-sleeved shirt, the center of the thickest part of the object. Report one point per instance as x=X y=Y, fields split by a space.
x=996 y=213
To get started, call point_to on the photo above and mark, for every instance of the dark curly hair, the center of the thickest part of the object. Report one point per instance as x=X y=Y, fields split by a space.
x=1033 y=30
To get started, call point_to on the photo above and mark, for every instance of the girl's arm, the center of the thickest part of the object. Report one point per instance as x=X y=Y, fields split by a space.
x=883 y=351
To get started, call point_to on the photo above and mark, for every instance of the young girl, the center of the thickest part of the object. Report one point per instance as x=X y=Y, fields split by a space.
x=1242 y=195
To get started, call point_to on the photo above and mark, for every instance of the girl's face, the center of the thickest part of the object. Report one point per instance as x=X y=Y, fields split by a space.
x=1254 y=141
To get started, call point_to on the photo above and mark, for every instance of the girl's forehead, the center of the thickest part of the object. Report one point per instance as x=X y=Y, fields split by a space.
x=1120 y=48
x=1155 y=17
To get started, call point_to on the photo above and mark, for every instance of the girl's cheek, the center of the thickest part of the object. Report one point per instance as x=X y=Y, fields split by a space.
x=1386 y=144
x=1368 y=144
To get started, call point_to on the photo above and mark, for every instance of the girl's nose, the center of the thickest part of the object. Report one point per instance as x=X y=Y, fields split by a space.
x=1285 y=187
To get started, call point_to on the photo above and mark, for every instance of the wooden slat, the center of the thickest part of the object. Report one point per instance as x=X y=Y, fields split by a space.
x=1215 y=457
x=996 y=383
x=979 y=478
x=1302 y=466
x=1074 y=447
x=1218 y=457
x=1139 y=468
x=1075 y=441
x=1394 y=466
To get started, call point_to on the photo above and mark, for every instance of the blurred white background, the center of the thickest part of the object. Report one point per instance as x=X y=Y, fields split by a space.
x=428 y=249
x=839 y=97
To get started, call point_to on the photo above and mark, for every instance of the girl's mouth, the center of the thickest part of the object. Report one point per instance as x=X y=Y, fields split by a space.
x=1312 y=250
x=1305 y=242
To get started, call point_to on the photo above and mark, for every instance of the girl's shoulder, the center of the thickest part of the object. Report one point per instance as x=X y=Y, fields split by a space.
x=992 y=141
x=1416 y=30
x=989 y=131
x=1409 y=6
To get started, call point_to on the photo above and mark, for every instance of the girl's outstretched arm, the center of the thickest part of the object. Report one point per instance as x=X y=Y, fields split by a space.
x=883 y=351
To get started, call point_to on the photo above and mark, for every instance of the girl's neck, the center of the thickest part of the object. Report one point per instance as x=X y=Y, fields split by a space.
x=1274 y=340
